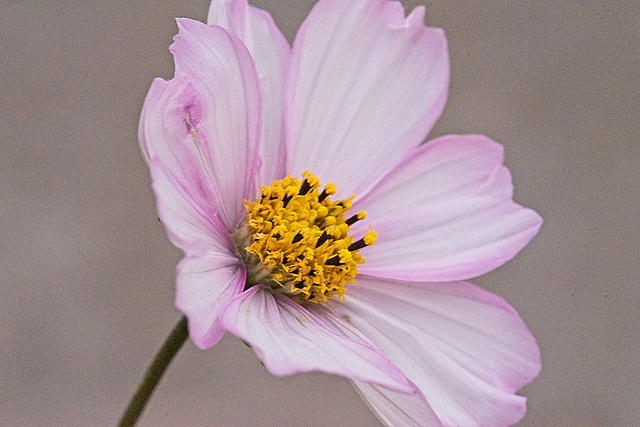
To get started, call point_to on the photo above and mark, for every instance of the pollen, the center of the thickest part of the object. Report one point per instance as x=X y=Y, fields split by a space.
x=296 y=240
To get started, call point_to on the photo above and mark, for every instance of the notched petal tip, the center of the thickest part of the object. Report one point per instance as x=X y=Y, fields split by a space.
x=415 y=19
x=389 y=80
x=417 y=16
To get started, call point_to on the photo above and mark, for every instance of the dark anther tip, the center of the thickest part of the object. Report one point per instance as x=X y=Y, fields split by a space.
x=304 y=188
x=334 y=260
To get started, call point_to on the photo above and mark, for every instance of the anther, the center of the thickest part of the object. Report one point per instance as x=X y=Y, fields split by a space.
x=323 y=238
x=329 y=190
x=297 y=238
x=355 y=218
x=304 y=188
x=323 y=195
x=357 y=245
x=368 y=239
x=334 y=260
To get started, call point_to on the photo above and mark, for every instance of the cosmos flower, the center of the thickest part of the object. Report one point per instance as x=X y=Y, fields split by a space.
x=318 y=229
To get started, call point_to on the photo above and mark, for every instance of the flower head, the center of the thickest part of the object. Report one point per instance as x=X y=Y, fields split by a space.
x=296 y=240
x=315 y=225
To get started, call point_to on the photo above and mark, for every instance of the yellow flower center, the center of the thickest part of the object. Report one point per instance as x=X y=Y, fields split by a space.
x=295 y=240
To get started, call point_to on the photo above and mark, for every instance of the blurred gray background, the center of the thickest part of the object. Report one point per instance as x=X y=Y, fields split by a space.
x=86 y=272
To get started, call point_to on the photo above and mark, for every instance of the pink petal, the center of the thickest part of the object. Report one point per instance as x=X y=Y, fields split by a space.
x=466 y=349
x=289 y=339
x=205 y=283
x=398 y=409
x=365 y=86
x=186 y=214
x=445 y=212
x=204 y=125
x=270 y=52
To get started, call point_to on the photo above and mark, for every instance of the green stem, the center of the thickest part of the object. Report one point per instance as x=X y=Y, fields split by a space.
x=154 y=373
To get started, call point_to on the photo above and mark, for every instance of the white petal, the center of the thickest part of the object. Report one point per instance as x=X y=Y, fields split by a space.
x=445 y=212
x=204 y=284
x=365 y=85
x=204 y=125
x=270 y=51
x=398 y=409
x=466 y=349
x=289 y=339
x=186 y=214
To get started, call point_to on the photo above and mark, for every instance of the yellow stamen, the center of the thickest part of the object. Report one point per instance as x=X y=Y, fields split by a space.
x=370 y=238
x=296 y=240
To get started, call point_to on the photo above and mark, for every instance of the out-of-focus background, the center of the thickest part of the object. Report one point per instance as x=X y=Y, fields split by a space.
x=86 y=272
